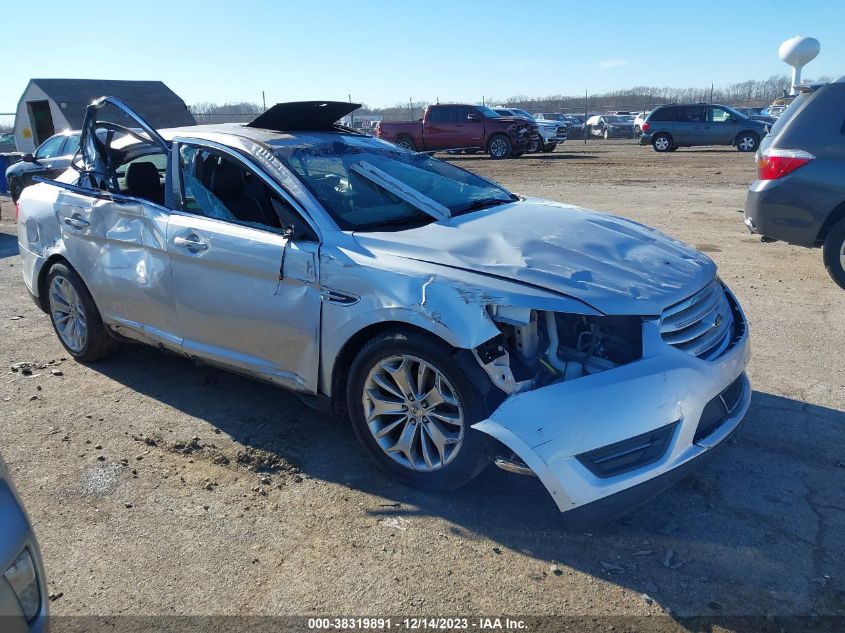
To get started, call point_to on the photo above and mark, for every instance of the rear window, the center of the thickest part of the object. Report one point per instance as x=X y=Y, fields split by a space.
x=662 y=114
x=790 y=111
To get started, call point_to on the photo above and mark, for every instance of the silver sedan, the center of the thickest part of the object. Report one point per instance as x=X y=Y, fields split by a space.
x=455 y=323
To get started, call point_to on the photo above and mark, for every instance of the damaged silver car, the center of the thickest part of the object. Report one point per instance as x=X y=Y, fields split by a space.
x=455 y=323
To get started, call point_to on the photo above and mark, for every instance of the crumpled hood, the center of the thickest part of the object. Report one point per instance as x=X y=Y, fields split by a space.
x=615 y=265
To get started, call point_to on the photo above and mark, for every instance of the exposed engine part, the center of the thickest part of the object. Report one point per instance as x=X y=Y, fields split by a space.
x=514 y=464
x=537 y=348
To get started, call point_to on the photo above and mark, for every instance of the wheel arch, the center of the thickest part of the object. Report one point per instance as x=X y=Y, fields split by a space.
x=832 y=220
x=41 y=285
x=354 y=344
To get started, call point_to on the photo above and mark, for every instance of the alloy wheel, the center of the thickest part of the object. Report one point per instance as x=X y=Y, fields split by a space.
x=68 y=314
x=661 y=144
x=499 y=147
x=747 y=143
x=413 y=413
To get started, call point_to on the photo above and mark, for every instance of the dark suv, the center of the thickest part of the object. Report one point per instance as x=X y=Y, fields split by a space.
x=799 y=194
x=672 y=126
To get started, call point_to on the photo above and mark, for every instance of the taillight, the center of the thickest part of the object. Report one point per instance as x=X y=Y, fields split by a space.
x=17 y=210
x=777 y=163
x=644 y=127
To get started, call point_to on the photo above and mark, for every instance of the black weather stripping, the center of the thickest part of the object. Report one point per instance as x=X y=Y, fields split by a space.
x=301 y=116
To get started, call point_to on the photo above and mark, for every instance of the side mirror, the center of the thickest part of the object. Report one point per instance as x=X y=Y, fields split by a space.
x=28 y=158
x=472 y=116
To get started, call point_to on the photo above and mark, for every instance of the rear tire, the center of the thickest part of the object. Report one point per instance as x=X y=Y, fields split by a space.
x=499 y=147
x=833 y=253
x=747 y=142
x=662 y=143
x=547 y=149
x=75 y=317
x=406 y=142
x=408 y=446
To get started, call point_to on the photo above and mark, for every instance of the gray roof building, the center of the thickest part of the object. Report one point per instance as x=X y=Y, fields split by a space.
x=48 y=106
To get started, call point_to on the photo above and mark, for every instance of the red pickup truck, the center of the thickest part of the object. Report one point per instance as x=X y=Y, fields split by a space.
x=469 y=127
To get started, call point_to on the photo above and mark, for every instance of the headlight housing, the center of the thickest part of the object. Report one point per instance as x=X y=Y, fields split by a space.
x=23 y=579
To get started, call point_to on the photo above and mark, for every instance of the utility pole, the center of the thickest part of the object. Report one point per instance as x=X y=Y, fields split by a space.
x=711 y=92
x=263 y=101
x=586 y=116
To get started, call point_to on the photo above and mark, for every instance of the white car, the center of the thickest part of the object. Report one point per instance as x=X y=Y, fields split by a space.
x=639 y=120
x=552 y=133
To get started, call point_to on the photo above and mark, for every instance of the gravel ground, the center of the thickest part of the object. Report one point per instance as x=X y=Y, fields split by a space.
x=160 y=487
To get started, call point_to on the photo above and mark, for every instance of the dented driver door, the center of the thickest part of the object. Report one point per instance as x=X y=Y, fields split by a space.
x=246 y=295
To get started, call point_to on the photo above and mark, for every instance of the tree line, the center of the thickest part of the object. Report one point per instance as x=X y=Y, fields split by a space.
x=752 y=93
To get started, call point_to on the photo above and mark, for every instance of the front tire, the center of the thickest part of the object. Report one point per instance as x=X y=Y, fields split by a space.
x=547 y=149
x=412 y=400
x=606 y=135
x=833 y=254
x=747 y=142
x=499 y=147
x=662 y=143
x=75 y=318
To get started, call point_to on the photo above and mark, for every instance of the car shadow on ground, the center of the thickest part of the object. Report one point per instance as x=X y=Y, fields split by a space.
x=753 y=531
x=8 y=245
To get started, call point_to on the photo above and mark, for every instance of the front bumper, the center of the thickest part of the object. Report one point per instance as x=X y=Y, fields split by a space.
x=15 y=536
x=551 y=427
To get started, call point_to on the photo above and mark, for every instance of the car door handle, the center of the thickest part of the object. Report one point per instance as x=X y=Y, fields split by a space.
x=76 y=222
x=192 y=243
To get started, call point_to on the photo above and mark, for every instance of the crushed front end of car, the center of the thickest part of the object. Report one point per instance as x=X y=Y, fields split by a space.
x=610 y=410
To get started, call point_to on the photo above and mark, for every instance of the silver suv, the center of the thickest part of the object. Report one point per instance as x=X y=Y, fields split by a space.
x=23 y=603
x=672 y=126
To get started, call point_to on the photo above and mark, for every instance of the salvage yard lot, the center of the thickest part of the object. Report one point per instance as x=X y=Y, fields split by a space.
x=157 y=486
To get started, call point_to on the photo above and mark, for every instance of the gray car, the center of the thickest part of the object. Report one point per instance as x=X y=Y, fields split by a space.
x=454 y=322
x=799 y=194
x=23 y=597
x=669 y=127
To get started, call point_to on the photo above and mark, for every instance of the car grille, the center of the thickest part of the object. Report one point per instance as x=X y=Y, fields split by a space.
x=702 y=324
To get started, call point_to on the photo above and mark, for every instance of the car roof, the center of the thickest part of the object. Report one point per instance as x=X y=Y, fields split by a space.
x=219 y=131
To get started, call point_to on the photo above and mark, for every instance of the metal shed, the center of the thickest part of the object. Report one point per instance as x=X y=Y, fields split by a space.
x=48 y=106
